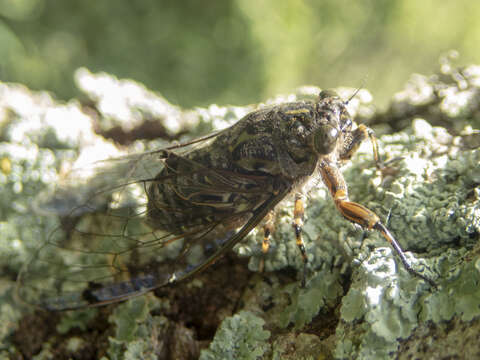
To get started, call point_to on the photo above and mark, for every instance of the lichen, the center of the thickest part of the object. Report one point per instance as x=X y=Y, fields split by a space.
x=239 y=337
x=138 y=334
x=354 y=279
x=299 y=347
x=434 y=206
x=322 y=291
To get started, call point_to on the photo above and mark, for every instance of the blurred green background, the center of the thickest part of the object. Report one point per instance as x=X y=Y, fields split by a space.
x=197 y=52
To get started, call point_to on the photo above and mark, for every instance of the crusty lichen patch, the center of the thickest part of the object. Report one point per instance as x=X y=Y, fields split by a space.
x=354 y=279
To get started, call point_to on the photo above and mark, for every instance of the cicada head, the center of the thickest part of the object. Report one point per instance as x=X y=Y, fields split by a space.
x=333 y=120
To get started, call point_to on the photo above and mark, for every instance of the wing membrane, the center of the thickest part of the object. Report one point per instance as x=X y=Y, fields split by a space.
x=108 y=252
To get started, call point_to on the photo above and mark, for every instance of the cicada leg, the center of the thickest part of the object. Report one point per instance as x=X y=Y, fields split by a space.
x=359 y=214
x=361 y=133
x=298 y=215
x=268 y=229
x=356 y=137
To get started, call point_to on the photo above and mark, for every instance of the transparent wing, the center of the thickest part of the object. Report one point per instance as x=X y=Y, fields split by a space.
x=105 y=177
x=105 y=251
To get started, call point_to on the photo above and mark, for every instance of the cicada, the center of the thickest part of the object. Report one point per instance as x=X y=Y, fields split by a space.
x=163 y=223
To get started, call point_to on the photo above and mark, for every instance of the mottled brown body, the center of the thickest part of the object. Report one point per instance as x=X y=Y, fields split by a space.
x=267 y=150
x=208 y=198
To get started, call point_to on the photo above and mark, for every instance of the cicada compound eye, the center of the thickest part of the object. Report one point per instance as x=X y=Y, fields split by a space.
x=325 y=139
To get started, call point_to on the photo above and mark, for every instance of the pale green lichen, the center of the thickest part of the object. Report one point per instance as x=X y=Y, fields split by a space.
x=137 y=333
x=128 y=317
x=433 y=196
x=434 y=205
x=322 y=291
x=79 y=319
x=239 y=337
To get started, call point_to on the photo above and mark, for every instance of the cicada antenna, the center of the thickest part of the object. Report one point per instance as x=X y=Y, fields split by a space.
x=362 y=85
